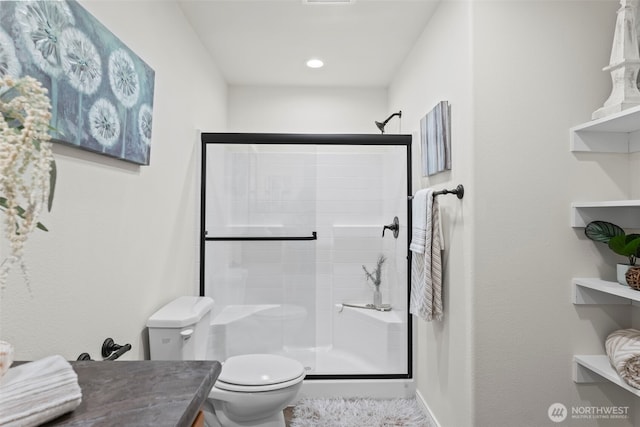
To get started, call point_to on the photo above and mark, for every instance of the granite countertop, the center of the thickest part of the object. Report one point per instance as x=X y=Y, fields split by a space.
x=140 y=393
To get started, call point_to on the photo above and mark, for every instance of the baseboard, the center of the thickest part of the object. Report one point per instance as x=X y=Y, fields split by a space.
x=423 y=405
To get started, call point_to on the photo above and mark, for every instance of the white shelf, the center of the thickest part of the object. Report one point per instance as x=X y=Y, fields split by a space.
x=617 y=133
x=596 y=368
x=625 y=213
x=598 y=291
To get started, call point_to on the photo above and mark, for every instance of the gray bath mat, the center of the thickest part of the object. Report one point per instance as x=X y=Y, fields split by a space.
x=359 y=413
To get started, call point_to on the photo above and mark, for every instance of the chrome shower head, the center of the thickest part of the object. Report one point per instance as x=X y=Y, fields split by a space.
x=383 y=124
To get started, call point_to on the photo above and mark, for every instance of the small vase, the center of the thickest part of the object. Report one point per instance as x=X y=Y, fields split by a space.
x=621 y=271
x=377 y=297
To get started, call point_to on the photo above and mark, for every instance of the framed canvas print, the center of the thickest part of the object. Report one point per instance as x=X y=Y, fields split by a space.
x=435 y=139
x=101 y=92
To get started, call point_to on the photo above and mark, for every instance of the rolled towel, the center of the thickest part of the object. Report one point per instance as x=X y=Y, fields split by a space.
x=623 y=349
x=36 y=392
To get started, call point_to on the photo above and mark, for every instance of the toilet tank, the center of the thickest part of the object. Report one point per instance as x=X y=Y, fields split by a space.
x=179 y=330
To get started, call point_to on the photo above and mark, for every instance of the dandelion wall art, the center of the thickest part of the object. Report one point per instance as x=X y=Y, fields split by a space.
x=101 y=92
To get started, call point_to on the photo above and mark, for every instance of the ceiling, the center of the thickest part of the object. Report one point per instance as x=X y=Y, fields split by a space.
x=267 y=42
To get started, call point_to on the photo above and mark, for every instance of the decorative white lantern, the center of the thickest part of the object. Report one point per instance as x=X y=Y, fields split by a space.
x=624 y=63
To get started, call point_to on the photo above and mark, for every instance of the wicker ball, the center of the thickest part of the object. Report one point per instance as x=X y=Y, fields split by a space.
x=633 y=277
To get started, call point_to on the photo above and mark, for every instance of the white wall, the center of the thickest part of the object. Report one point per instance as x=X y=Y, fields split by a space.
x=503 y=354
x=306 y=109
x=439 y=69
x=123 y=239
x=537 y=70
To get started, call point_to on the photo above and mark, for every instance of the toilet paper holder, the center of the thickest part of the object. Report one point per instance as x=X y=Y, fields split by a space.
x=110 y=350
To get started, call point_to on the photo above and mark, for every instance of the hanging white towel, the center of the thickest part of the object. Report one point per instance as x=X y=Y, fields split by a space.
x=419 y=220
x=36 y=392
x=426 y=263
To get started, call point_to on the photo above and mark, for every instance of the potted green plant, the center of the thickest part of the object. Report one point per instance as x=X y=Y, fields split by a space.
x=627 y=245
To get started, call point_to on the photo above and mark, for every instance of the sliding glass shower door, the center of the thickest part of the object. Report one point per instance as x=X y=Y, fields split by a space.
x=291 y=224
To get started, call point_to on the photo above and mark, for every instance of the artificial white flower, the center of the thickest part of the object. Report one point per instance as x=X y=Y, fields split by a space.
x=26 y=163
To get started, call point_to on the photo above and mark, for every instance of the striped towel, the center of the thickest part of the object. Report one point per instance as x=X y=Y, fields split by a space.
x=623 y=349
x=426 y=262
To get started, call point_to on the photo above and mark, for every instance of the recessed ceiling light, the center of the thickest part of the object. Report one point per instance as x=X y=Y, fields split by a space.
x=315 y=63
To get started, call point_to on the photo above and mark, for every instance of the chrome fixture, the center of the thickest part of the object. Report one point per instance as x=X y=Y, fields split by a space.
x=383 y=124
x=394 y=226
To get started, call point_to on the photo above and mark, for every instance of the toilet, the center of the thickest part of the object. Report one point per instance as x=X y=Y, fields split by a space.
x=251 y=390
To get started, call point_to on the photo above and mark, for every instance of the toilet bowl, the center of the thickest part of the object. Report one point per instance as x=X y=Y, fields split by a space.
x=251 y=390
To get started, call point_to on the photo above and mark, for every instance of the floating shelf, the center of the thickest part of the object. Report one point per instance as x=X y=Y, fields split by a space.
x=617 y=133
x=598 y=291
x=625 y=213
x=596 y=368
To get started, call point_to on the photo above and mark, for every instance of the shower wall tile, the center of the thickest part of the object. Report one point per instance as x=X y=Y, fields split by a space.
x=356 y=230
x=361 y=295
x=373 y=207
x=366 y=257
x=347 y=199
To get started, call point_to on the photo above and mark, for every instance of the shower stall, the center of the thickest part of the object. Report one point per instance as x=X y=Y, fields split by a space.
x=291 y=225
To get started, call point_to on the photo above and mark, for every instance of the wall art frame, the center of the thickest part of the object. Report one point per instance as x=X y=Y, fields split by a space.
x=101 y=91
x=435 y=139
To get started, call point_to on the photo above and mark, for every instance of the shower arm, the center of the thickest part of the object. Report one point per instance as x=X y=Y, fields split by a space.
x=384 y=123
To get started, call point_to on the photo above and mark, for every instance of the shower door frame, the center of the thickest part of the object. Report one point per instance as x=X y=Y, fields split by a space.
x=314 y=139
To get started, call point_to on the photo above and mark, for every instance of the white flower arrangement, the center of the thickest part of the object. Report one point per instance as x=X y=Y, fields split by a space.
x=27 y=167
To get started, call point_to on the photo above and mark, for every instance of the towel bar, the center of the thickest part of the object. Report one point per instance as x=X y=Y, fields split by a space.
x=458 y=191
x=314 y=236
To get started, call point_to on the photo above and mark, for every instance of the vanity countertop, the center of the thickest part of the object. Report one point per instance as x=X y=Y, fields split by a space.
x=140 y=393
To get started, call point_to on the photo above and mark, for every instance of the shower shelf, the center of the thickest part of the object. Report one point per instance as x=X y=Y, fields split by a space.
x=597 y=368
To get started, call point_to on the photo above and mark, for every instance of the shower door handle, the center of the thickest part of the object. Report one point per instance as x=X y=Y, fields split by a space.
x=395 y=227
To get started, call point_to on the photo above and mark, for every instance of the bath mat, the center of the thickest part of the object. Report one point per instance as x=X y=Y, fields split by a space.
x=359 y=413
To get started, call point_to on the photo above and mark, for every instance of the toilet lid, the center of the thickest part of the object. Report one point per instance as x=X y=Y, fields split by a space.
x=259 y=369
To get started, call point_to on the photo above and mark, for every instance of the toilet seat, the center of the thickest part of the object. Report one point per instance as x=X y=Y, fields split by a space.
x=257 y=388
x=259 y=372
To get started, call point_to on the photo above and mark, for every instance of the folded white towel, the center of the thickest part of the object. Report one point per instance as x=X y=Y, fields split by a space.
x=36 y=392
x=623 y=349
x=426 y=266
